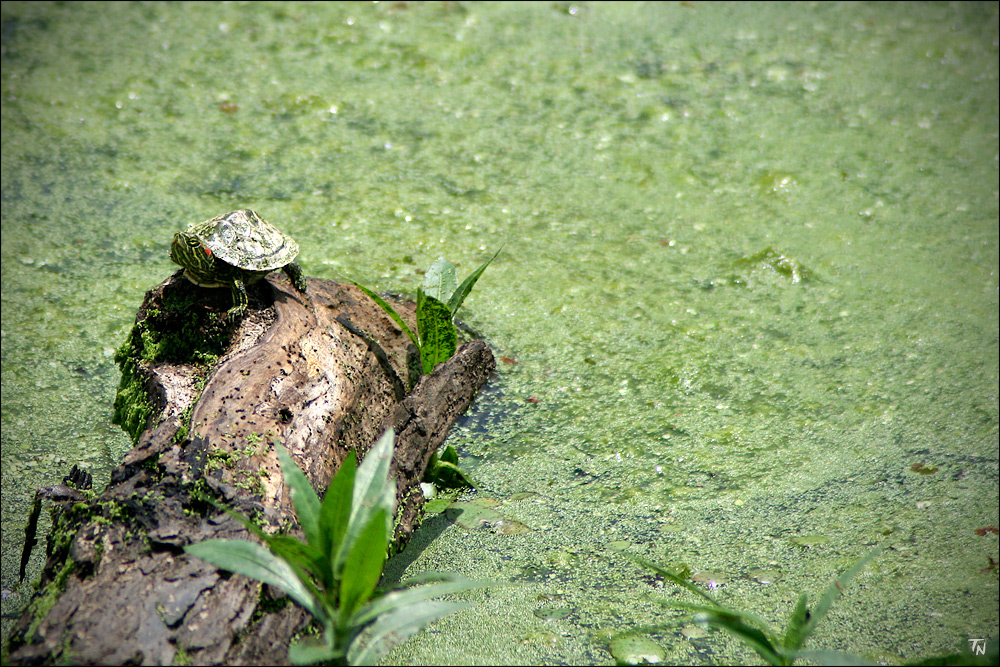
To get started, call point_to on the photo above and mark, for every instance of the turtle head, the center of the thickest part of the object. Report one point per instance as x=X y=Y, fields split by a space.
x=196 y=258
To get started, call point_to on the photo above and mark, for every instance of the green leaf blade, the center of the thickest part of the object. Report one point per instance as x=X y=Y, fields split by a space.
x=438 y=336
x=303 y=496
x=414 y=591
x=373 y=490
x=396 y=627
x=673 y=577
x=753 y=637
x=254 y=561
x=834 y=591
x=335 y=514
x=463 y=290
x=309 y=651
x=800 y=616
x=300 y=556
x=364 y=564
x=439 y=281
x=390 y=311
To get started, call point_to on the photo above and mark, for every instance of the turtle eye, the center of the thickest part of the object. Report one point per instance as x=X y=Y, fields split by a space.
x=193 y=242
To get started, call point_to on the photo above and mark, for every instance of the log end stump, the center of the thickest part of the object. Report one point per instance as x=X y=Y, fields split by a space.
x=206 y=401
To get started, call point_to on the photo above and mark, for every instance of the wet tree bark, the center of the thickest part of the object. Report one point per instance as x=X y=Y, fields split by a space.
x=320 y=373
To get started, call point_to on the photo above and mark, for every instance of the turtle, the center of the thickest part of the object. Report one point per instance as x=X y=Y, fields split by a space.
x=235 y=250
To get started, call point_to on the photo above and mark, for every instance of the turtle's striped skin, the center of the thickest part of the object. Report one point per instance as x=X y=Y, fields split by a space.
x=235 y=250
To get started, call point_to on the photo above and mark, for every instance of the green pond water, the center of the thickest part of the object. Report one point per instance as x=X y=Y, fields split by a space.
x=748 y=299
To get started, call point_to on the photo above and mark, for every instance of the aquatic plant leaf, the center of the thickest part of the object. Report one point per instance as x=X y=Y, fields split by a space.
x=809 y=540
x=311 y=650
x=301 y=556
x=444 y=472
x=396 y=627
x=834 y=591
x=439 y=503
x=335 y=514
x=679 y=578
x=438 y=337
x=254 y=561
x=793 y=633
x=390 y=311
x=439 y=281
x=303 y=496
x=755 y=638
x=364 y=562
x=420 y=588
x=373 y=490
x=720 y=610
x=472 y=515
x=635 y=649
x=552 y=613
x=463 y=290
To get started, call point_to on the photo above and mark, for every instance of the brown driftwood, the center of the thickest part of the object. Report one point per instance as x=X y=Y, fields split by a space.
x=320 y=373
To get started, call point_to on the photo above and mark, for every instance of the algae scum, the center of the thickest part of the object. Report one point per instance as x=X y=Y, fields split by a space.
x=746 y=313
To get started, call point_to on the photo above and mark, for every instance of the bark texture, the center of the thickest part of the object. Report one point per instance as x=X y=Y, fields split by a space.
x=320 y=373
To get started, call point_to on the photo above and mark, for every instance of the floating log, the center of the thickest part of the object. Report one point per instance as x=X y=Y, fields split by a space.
x=320 y=373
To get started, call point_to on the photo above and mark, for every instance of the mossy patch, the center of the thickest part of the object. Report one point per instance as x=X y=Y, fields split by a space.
x=178 y=323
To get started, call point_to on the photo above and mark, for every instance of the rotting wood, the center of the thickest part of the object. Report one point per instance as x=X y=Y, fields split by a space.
x=320 y=374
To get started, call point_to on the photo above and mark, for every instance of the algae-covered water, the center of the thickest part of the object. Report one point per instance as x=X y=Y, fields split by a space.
x=747 y=309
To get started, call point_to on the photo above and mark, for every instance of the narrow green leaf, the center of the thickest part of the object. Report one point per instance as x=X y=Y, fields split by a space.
x=299 y=555
x=445 y=476
x=715 y=606
x=373 y=490
x=438 y=337
x=439 y=281
x=254 y=561
x=311 y=650
x=395 y=628
x=372 y=477
x=303 y=558
x=335 y=513
x=793 y=633
x=413 y=592
x=671 y=576
x=303 y=496
x=756 y=639
x=720 y=610
x=450 y=455
x=834 y=591
x=389 y=310
x=463 y=290
x=363 y=565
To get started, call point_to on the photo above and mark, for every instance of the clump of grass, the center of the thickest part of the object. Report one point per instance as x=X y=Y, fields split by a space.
x=774 y=647
x=335 y=572
x=438 y=299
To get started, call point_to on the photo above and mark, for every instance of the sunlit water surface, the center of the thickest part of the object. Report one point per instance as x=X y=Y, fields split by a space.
x=668 y=385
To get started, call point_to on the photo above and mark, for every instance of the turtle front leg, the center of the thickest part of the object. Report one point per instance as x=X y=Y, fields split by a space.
x=239 y=291
x=294 y=273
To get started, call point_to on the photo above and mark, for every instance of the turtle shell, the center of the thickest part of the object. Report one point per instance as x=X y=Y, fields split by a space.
x=243 y=239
